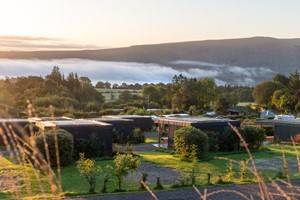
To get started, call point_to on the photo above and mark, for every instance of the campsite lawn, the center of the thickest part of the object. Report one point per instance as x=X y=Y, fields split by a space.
x=218 y=164
x=75 y=185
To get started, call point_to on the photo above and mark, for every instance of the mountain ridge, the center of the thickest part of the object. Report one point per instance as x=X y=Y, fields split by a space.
x=280 y=55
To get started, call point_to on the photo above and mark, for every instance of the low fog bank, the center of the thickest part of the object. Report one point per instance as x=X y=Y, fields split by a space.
x=131 y=72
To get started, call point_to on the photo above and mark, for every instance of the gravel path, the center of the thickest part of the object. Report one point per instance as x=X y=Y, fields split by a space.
x=224 y=193
x=166 y=175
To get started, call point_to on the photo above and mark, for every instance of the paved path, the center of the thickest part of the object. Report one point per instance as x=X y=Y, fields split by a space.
x=190 y=193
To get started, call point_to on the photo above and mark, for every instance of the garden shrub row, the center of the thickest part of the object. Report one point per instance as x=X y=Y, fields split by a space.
x=225 y=141
x=67 y=148
x=137 y=136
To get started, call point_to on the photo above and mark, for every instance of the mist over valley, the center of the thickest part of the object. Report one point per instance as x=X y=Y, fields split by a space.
x=245 y=61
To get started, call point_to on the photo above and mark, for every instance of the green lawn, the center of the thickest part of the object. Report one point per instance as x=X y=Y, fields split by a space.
x=218 y=165
x=31 y=184
x=73 y=184
x=246 y=104
x=151 y=140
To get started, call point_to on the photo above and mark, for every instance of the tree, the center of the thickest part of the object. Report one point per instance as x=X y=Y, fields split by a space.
x=100 y=84
x=294 y=83
x=124 y=86
x=84 y=79
x=125 y=96
x=115 y=86
x=244 y=95
x=107 y=85
x=55 y=75
x=280 y=78
x=282 y=100
x=152 y=93
x=209 y=92
x=72 y=82
x=6 y=97
x=186 y=137
x=253 y=136
x=263 y=92
x=294 y=88
x=124 y=163
x=222 y=104
x=88 y=170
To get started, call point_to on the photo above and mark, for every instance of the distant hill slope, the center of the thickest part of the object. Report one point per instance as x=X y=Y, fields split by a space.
x=281 y=55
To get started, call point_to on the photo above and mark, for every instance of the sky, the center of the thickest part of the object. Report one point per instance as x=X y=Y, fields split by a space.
x=95 y=24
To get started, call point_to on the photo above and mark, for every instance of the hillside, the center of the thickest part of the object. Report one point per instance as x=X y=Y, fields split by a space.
x=279 y=55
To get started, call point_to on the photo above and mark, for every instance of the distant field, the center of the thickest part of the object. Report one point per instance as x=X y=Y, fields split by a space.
x=108 y=93
x=246 y=103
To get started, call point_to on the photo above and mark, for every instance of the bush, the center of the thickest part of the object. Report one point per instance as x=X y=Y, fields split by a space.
x=88 y=170
x=213 y=141
x=185 y=137
x=56 y=101
x=137 y=136
x=65 y=146
x=228 y=140
x=123 y=164
x=116 y=136
x=91 y=147
x=31 y=129
x=253 y=136
x=269 y=130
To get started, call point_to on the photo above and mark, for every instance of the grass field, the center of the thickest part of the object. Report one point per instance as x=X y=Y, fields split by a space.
x=246 y=104
x=109 y=93
x=73 y=184
x=218 y=165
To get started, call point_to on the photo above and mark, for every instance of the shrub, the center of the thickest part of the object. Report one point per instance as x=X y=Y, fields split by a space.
x=253 y=136
x=116 y=136
x=185 y=137
x=65 y=146
x=88 y=170
x=269 y=130
x=123 y=164
x=228 y=140
x=137 y=136
x=213 y=141
x=31 y=129
x=90 y=146
x=92 y=106
x=56 y=101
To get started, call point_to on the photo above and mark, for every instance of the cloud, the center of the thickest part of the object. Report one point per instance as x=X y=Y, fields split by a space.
x=26 y=43
x=196 y=63
x=132 y=72
x=29 y=38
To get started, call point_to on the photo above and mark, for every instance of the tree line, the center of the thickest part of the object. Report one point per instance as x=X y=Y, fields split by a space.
x=281 y=94
x=76 y=93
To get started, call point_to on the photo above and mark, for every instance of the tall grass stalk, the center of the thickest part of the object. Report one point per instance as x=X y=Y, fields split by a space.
x=149 y=190
x=297 y=153
x=286 y=169
x=57 y=150
x=28 y=161
x=264 y=190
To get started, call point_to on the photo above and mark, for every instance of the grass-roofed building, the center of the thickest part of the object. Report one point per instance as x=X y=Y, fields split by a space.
x=171 y=124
